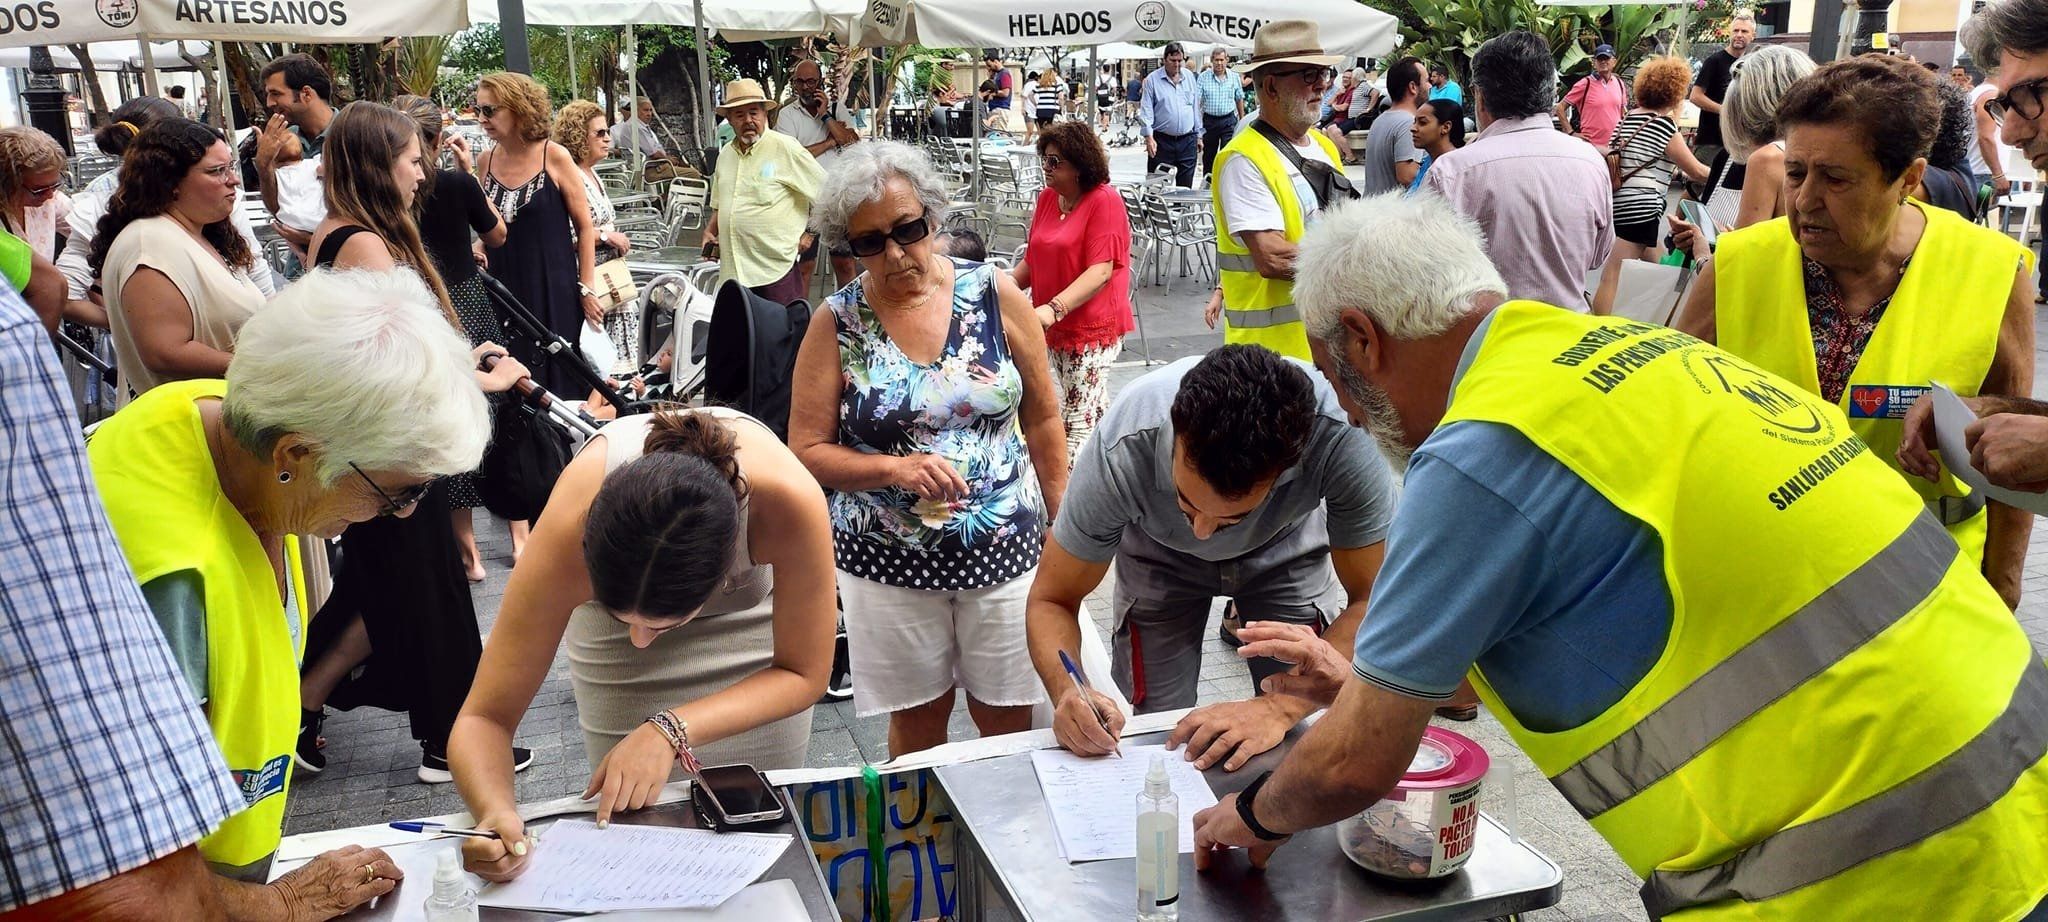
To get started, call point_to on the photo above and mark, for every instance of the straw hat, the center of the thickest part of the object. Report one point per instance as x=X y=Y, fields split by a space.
x=1287 y=41
x=744 y=92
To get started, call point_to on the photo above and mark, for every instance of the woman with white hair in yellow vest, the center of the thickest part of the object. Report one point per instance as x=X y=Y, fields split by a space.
x=1867 y=297
x=349 y=394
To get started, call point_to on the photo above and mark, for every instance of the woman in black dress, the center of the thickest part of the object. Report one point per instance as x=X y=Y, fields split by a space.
x=450 y=207
x=399 y=630
x=549 y=259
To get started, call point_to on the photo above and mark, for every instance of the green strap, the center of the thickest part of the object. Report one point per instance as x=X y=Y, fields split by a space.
x=878 y=857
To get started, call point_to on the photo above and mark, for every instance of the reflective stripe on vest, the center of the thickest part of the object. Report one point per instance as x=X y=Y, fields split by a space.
x=1880 y=592
x=1253 y=320
x=1236 y=262
x=1958 y=787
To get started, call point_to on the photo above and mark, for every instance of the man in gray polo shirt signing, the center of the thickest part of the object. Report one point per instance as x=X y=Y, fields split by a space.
x=1236 y=474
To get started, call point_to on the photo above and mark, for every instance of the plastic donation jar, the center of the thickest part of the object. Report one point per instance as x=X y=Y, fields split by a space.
x=1427 y=825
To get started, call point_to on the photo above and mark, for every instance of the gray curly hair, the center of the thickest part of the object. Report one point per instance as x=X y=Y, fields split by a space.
x=862 y=174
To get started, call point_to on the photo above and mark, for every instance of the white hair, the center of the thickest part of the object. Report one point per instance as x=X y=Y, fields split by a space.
x=1412 y=264
x=366 y=368
x=861 y=175
x=1749 y=113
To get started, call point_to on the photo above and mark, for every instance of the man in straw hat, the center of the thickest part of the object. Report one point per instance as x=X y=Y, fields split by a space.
x=1270 y=181
x=764 y=186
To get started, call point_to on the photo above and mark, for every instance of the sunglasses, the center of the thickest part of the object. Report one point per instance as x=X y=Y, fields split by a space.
x=393 y=505
x=596 y=133
x=904 y=234
x=1310 y=75
x=1052 y=161
x=2023 y=100
x=487 y=111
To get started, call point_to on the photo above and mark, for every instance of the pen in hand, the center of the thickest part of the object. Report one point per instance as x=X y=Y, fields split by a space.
x=440 y=829
x=1081 y=685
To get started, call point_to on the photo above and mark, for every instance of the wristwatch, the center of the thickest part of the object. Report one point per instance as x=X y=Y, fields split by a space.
x=1245 y=812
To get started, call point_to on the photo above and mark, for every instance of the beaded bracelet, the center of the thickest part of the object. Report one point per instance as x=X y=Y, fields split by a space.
x=677 y=733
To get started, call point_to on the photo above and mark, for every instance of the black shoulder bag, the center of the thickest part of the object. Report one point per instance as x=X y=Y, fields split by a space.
x=1330 y=184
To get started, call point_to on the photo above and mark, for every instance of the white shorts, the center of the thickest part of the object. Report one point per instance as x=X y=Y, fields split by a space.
x=907 y=647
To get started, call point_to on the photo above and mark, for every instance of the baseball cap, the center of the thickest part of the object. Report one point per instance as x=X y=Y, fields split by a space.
x=1603 y=51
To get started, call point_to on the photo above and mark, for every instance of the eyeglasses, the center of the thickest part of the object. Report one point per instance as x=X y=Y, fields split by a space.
x=487 y=111
x=806 y=81
x=596 y=133
x=1052 y=161
x=1308 y=75
x=221 y=171
x=43 y=190
x=904 y=234
x=2023 y=100
x=393 y=505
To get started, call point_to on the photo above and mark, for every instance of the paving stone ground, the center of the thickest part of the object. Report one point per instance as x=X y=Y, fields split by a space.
x=371 y=756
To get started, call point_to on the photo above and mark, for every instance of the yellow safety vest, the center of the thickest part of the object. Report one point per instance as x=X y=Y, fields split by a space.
x=156 y=477
x=1942 y=325
x=1845 y=722
x=1257 y=309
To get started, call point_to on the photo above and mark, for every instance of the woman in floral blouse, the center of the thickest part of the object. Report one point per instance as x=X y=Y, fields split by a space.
x=924 y=401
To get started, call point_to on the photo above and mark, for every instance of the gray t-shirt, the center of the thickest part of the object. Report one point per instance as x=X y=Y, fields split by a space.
x=1389 y=143
x=1124 y=477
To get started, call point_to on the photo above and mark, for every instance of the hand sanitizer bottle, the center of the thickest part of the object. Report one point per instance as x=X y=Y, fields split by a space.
x=452 y=900
x=1158 y=847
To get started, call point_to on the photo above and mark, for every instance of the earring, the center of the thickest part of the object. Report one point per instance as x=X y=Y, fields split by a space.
x=284 y=476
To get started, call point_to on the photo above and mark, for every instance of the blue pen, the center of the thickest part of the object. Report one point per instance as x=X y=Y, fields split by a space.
x=441 y=829
x=1081 y=685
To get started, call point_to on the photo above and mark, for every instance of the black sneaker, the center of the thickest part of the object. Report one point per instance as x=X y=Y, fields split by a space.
x=840 y=686
x=307 y=755
x=1227 y=632
x=434 y=765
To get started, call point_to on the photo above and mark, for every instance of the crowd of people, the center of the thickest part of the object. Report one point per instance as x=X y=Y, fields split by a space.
x=1419 y=408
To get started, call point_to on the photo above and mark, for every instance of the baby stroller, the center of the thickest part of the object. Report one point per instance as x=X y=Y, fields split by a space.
x=735 y=349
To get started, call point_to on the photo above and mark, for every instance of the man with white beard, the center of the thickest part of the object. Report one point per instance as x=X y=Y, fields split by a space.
x=1685 y=587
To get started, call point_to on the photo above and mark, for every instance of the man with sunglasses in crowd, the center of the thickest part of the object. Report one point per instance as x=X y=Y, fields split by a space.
x=824 y=126
x=2009 y=442
x=761 y=199
x=1265 y=195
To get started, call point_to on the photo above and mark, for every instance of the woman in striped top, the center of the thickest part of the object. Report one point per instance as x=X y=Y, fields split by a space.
x=1650 y=149
x=1047 y=96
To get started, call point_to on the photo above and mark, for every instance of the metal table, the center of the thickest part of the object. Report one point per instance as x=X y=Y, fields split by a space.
x=1007 y=856
x=417 y=859
x=1179 y=196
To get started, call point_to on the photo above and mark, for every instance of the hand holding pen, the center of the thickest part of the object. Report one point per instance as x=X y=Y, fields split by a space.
x=1085 y=721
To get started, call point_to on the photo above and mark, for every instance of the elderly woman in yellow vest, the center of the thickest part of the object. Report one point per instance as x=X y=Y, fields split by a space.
x=348 y=396
x=1866 y=297
x=1262 y=201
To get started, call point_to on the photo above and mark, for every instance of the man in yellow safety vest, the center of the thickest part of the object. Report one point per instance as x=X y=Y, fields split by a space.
x=1730 y=635
x=1269 y=183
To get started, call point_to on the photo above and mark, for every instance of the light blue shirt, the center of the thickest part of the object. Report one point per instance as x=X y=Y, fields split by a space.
x=1450 y=90
x=1500 y=555
x=1220 y=95
x=1171 y=106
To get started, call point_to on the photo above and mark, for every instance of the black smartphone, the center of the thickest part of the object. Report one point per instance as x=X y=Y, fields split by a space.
x=737 y=795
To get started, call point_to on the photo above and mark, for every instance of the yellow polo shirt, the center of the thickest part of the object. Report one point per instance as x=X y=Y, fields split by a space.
x=763 y=198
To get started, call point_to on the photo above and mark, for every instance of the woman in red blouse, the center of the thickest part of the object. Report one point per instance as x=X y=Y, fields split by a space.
x=1077 y=268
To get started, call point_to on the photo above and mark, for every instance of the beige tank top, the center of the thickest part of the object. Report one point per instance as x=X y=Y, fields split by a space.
x=745 y=584
x=221 y=298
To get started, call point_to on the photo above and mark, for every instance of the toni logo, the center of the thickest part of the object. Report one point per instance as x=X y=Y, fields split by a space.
x=118 y=14
x=1151 y=15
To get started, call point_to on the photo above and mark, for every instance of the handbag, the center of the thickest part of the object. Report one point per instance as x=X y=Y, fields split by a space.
x=1615 y=177
x=615 y=284
x=1329 y=183
x=526 y=455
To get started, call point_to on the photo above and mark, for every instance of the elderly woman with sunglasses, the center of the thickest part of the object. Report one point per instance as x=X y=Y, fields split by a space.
x=923 y=400
x=206 y=482
x=1077 y=267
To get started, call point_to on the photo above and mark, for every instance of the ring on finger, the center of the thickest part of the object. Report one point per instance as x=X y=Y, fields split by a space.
x=369 y=873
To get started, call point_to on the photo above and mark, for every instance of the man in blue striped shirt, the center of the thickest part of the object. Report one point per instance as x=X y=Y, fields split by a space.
x=1170 y=116
x=108 y=773
x=1222 y=105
